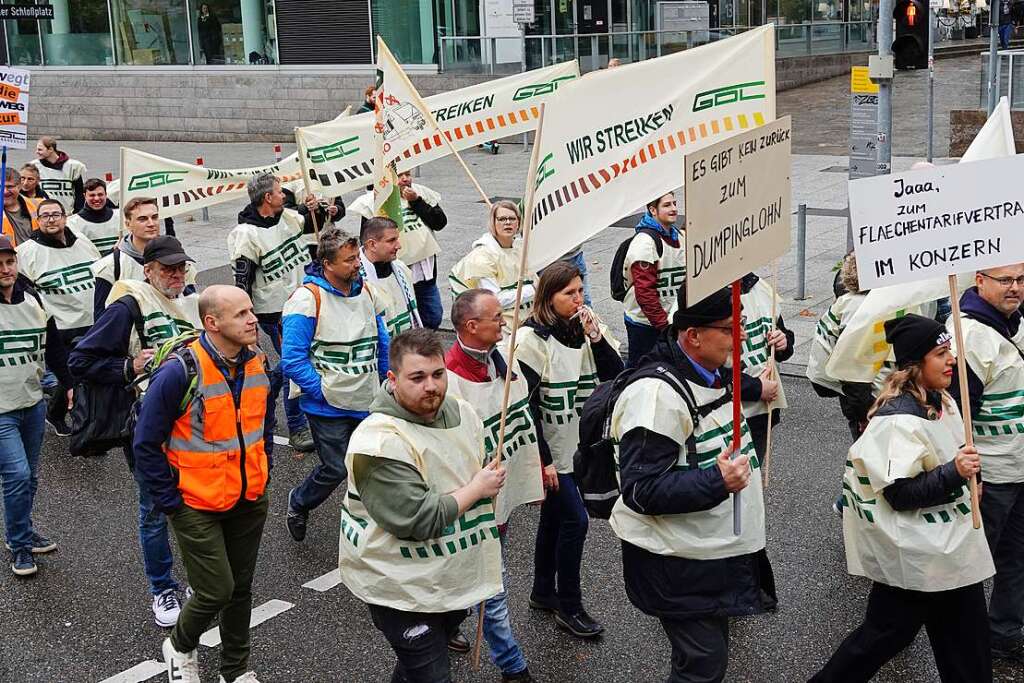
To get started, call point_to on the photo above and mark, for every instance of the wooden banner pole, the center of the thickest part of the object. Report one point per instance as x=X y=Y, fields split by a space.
x=965 y=397
x=772 y=374
x=305 y=178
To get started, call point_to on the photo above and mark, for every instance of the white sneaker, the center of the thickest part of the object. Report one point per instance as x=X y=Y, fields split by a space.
x=182 y=667
x=166 y=608
x=247 y=677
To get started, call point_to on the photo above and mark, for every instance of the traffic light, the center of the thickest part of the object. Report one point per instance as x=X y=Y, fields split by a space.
x=910 y=49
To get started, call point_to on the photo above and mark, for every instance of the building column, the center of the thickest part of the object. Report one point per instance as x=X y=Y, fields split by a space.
x=61 y=22
x=252 y=27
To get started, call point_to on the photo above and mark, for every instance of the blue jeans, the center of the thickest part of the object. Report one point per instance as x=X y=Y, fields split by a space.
x=156 y=544
x=331 y=435
x=428 y=303
x=21 y=437
x=505 y=651
x=293 y=413
x=641 y=339
x=1005 y=33
x=559 y=549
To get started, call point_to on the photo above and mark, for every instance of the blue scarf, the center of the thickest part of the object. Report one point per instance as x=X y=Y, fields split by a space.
x=648 y=223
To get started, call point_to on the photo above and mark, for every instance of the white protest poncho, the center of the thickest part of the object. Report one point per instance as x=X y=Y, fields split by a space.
x=522 y=455
x=344 y=348
x=928 y=549
x=60 y=184
x=707 y=535
x=162 y=318
x=418 y=241
x=103 y=235
x=499 y=267
x=999 y=424
x=757 y=307
x=129 y=269
x=568 y=377
x=280 y=255
x=396 y=295
x=63 y=278
x=671 y=273
x=22 y=350
x=826 y=334
x=455 y=571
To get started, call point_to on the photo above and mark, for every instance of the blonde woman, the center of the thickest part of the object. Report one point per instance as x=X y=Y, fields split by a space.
x=908 y=525
x=493 y=263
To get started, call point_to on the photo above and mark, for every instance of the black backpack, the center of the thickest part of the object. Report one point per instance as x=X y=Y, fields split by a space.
x=594 y=463
x=618 y=280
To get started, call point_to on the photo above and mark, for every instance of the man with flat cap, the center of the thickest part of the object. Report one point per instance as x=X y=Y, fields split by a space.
x=681 y=561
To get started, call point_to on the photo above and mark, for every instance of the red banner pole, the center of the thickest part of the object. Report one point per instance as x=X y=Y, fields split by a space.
x=737 y=313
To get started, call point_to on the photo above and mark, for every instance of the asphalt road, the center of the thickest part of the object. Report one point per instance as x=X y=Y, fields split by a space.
x=86 y=616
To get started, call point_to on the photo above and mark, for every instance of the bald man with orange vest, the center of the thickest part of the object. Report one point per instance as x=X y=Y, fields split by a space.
x=202 y=447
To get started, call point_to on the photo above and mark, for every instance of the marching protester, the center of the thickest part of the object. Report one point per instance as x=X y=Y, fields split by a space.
x=60 y=177
x=22 y=408
x=30 y=188
x=476 y=374
x=389 y=277
x=335 y=349
x=57 y=262
x=564 y=352
x=653 y=271
x=19 y=220
x=203 y=449
x=681 y=560
x=758 y=390
x=419 y=544
x=98 y=219
x=990 y=319
x=126 y=261
x=493 y=262
x=915 y=541
x=422 y=216
x=267 y=250
x=143 y=315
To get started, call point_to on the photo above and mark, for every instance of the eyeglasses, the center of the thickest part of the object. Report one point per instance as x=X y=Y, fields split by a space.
x=48 y=217
x=507 y=219
x=727 y=328
x=1006 y=282
x=496 y=319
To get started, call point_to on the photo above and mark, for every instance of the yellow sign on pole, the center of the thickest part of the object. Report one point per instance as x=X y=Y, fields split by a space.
x=860 y=83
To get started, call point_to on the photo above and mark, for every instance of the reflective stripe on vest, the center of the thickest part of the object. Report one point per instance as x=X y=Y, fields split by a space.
x=217 y=446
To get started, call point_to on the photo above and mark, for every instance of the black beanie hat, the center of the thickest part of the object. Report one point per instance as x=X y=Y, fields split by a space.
x=717 y=306
x=913 y=337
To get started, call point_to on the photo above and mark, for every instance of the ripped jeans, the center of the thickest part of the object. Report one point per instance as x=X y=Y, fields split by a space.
x=420 y=640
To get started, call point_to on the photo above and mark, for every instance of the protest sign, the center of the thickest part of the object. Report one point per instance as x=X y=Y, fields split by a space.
x=738 y=206
x=14 y=87
x=616 y=138
x=939 y=221
x=180 y=188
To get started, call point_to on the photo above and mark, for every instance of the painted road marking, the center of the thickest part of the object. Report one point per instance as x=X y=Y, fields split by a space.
x=324 y=583
x=138 y=673
x=268 y=610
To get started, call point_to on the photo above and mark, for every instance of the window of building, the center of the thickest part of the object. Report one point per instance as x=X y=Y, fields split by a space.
x=234 y=32
x=23 y=42
x=407 y=26
x=78 y=35
x=150 y=31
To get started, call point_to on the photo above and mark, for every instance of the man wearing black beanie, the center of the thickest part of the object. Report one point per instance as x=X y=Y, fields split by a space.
x=681 y=561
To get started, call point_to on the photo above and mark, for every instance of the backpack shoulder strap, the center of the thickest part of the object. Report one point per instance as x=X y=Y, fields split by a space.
x=659 y=244
x=116 y=255
x=137 y=322
x=314 y=289
x=191 y=365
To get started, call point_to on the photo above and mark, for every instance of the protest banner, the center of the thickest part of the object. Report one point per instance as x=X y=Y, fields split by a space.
x=862 y=349
x=180 y=188
x=602 y=156
x=14 y=89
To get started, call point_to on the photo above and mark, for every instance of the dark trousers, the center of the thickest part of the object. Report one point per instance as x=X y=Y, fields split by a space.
x=331 y=435
x=558 y=553
x=759 y=435
x=955 y=621
x=1002 y=510
x=641 y=339
x=57 y=409
x=700 y=649
x=219 y=552
x=293 y=414
x=428 y=303
x=420 y=641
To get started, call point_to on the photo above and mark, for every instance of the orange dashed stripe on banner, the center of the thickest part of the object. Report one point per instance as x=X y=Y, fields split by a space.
x=470 y=129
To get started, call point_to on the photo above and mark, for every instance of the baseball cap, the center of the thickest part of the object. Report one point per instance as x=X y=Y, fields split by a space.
x=166 y=250
x=5 y=244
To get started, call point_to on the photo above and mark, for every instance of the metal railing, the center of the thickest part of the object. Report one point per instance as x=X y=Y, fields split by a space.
x=1009 y=78
x=504 y=55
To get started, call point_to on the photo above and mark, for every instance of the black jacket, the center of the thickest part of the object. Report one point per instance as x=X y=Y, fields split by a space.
x=974 y=307
x=676 y=587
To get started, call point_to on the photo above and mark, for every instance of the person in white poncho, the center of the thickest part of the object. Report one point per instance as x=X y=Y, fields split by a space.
x=908 y=527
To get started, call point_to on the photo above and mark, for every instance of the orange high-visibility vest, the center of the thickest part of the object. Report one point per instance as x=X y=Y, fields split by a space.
x=8 y=227
x=216 y=446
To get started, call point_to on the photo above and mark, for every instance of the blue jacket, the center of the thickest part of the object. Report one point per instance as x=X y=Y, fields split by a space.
x=648 y=223
x=298 y=338
x=161 y=408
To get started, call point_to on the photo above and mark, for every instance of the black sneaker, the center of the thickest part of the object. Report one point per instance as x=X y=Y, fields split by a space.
x=22 y=562
x=1012 y=651
x=40 y=544
x=296 y=520
x=459 y=643
x=580 y=624
x=59 y=426
x=544 y=603
x=518 y=677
